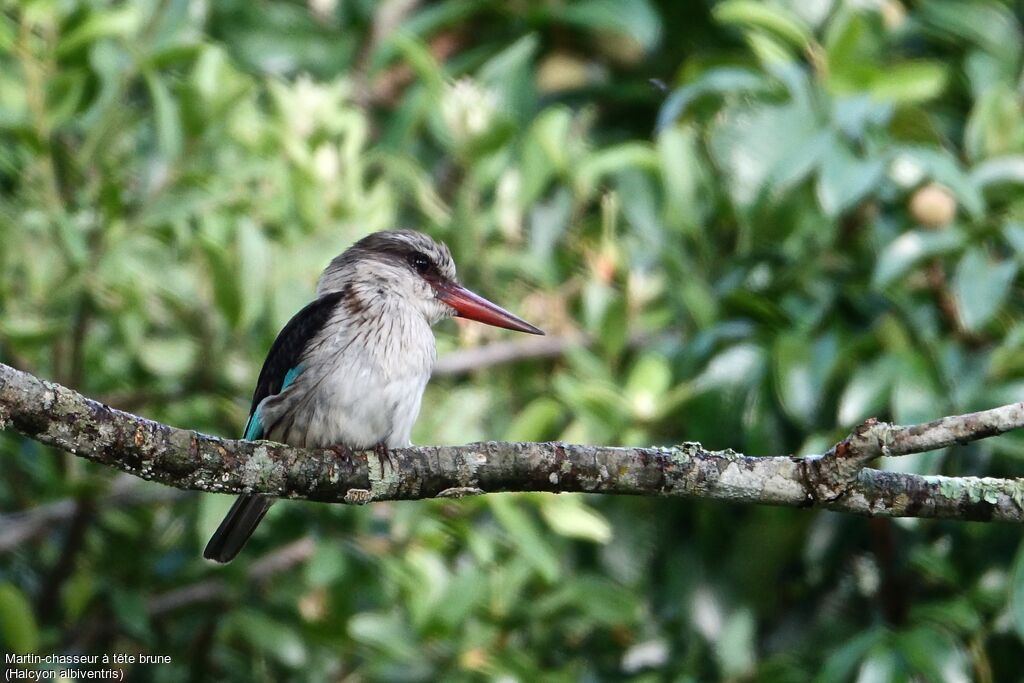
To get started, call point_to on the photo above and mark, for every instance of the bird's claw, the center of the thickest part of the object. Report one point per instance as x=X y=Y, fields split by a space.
x=342 y=452
x=384 y=454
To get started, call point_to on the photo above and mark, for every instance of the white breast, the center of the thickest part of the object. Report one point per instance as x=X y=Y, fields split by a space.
x=361 y=384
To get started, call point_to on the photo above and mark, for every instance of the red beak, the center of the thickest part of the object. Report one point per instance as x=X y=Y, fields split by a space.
x=473 y=307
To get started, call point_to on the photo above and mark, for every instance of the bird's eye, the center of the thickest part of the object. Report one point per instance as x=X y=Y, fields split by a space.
x=420 y=262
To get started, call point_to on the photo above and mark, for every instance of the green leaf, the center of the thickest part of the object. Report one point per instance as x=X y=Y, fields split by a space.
x=618 y=605
x=7 y=36
x=508 y=584
x=224 y=280
x=990 y=25
x=254 y=261
x=910 y=82
x=853 y=43
x=866 y=393
x=736 y=365
x=637 y=19
x=547 y=153
x=735 y=649
x=1017 y=592
x=996 y=124
x=421 y=60
x=103 y=23
x=771 y=52
x=1002 y=170
x=269 y=635
x=599 y=399
x=699 y=301
x=462 y=597
x=17 y=622
x=327 y=565
x=384 y=632
x=915 y=397
x=65 y=93
x=568 y=515
x=845 y=180
x=1013 y=233
x=432 y=18
x=26 y=329
x=168 y=357
x=908 y=250
x=775 y=19
x=980 y=287
x=858 y=115
x=614 y=327
x=957 y=615
x=79 y=592
x=536 y=421
x=642 y=211
x=426 y=573
x=933 y=654
x=719 y=81
x=525 y=535
x=509 y=74
x=682 y=176
x=767 y=146
x=647 y=383
x=507 y=63
x=130 y=609
x=611 y=160
x=650 y=374
x=548 y=223
x=168 y=118
x=796 y=385
x=880 y=666
x=842 y=662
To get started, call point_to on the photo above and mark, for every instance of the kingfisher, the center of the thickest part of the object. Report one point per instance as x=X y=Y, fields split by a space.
x=348 y=371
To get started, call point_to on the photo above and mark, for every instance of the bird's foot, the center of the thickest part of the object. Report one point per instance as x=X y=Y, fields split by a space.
x=384 y=454
x=342 y=452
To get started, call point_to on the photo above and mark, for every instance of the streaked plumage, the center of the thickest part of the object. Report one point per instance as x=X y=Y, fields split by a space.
x=350 y=368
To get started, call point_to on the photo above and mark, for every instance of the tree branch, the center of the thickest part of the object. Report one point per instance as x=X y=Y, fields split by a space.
x=837 y=480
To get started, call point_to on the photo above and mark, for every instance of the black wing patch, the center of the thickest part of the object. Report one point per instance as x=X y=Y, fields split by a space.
x=286 y=352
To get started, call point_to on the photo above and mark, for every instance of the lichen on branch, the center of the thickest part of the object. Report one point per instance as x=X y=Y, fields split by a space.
x=836 y=480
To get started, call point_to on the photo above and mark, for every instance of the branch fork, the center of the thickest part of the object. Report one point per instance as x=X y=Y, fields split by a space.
x=831 y=475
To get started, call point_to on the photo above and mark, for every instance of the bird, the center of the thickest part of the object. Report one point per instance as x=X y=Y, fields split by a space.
x=349 y=369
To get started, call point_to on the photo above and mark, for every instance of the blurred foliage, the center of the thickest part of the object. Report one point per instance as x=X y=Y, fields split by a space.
x=819 y=219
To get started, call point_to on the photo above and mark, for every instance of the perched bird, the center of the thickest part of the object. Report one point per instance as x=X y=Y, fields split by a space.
x=350 y=368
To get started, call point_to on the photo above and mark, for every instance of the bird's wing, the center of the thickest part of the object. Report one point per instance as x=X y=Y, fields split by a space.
x=284 y=361
x=282 y=366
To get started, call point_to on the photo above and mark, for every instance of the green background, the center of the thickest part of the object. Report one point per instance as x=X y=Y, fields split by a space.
x=773 y=219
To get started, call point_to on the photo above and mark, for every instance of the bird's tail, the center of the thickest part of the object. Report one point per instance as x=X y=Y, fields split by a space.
x=237 y=527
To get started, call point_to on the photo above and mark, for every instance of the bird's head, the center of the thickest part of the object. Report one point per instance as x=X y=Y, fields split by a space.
x=411 y=268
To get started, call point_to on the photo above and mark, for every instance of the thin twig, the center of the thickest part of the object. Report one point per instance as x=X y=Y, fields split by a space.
x=211 y=590
x=498 y=353
x=468 y=360
x=840 y=467
x=17 y=528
